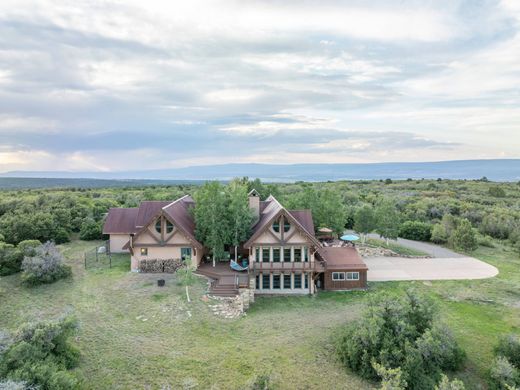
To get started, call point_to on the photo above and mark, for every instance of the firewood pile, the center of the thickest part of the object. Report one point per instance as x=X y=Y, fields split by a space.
x=159 y=265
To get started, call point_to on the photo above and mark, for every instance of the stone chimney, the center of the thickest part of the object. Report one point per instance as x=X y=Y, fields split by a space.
x=254 y=202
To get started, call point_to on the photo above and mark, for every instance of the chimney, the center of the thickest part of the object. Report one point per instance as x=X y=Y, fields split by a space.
x=254 y=202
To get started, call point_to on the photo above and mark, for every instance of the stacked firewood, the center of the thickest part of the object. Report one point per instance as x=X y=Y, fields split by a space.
x=159 y=265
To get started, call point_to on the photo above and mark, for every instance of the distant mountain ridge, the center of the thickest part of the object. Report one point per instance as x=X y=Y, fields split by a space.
x=496 y=170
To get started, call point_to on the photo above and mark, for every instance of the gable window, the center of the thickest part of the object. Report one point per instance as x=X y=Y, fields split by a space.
x=276 y=226
x=276 y=255
x=266 y=281
x=286 y=225
x=287 y=254
x=265 y=255
x=276 y=282
x=185 y=253
x=144 y=251
x=338 y=276
x=158 y=226
x=287 y=281
x=297 y=280
x=352 y=275
x=169 y=227
x=298 y=254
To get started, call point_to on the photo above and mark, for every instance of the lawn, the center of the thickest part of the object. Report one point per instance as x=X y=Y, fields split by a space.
x=136 y=335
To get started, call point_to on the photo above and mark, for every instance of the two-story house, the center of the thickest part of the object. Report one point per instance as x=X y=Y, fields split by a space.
x=283 y=253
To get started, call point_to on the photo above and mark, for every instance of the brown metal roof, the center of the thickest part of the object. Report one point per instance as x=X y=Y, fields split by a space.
x=338 y=258
x=179 y=211
x=120 y=220
x=304 y=217
x=149 y=209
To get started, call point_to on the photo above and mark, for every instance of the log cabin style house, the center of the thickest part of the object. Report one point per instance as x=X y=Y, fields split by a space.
x=283 y=254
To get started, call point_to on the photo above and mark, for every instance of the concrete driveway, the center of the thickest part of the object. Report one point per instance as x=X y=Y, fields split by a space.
x=445 y=265
x=447 y=268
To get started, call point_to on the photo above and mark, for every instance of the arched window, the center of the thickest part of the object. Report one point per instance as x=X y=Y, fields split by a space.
x=276 y=226
x=286 y=225
x=158 y=225
x=169 y=227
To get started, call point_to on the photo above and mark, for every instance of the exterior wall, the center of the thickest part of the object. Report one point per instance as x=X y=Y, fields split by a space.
x=260 y=289
x=117 y=241
x=330 y=284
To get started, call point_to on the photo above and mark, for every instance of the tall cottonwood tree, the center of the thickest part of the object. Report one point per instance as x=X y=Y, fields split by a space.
x=364 y=220
x=387 y=219
x=212 y=218
x=239 y=214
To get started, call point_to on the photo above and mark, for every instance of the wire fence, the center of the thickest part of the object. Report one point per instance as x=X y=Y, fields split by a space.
x=99 y=257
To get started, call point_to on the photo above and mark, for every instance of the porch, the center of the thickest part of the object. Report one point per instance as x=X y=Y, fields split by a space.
x=224 y=280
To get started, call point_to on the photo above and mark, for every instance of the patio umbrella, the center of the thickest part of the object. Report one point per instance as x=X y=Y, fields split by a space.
x=349 y=237
x=325 y=230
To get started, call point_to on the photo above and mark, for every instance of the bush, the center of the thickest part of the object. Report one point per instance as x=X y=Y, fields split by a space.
x=90 y=230
x=446 y=384
x=415 y=230
x=46 y=266
x=485 y=241
x=10 y=259
x=464 y=237
x=398 y=331
x=41 y=355
x=497 y=192
x=439 y=234
x=28 y=247
x=509 y=347
x=503 y=375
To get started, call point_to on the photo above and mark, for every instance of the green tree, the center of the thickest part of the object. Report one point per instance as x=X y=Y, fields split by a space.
x=388 y=220
x=446 y=384
x=416 y=230
x=391 y=378
x=439 y=234
x=364 y=220
x=464 y=236
x=186 y=277
x=329 y=211
x=90 y=230
x=212 y=218
x=240 y=215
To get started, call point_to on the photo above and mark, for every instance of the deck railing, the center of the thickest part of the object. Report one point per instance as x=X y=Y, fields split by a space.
x=283 y=266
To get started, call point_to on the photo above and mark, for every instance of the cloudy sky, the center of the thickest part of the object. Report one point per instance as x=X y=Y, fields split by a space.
x=99 y=85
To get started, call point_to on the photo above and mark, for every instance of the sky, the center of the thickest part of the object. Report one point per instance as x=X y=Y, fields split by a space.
x=136 y=85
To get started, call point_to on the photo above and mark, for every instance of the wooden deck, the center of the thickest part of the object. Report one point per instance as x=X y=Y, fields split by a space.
x=225 y=281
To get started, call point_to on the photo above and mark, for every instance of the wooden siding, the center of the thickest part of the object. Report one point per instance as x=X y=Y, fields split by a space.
x=330 y=284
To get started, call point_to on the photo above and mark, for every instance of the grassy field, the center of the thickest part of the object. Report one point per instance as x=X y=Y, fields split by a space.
x=135 y=335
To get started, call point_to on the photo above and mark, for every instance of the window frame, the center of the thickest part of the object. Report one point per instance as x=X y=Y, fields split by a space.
x=285 y=249
x=264 y=276
x=279 y=278
x=190 y=250
x=299 y=284
x=158 y=223
x=336 y=279
x=268 y=251
x=297 y=259
x=168 y=226
x=277 y=224
x=285 y=278
x=286 y=225
x=144 y=251
x=352 y=273
x=279 y=255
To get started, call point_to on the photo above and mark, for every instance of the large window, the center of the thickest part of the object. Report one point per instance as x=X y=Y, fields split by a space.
x=276 y=282
x=169 y=227
x=257 y=254
x=185 y=253
x=287 y=254
x=352 y=275
x=287 y=281
x=158 y=226
x=265 y=255
x=338 y=276
x=144 y=251
x=305 y=254
x=306 y=280
x=257 y=282
x=276 y=255
x=266 y=281
x=297 y=254
x=297 y=280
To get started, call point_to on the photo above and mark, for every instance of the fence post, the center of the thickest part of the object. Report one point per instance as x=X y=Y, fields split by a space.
x=110 y=259
x=85 y=255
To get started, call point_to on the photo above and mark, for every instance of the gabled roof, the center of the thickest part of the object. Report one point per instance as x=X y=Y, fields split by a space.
x=147 y=210
x=271 y=209
x=120 y=220
x=179 y=212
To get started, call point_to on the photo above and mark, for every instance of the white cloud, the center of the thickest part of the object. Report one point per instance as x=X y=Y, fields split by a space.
x=25 y=124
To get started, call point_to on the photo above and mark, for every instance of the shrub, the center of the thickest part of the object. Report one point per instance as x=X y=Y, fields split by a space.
x=497 y=192
x=503 y=375
x=485 y=241
x=28 y=247
x=446 y=384
x=41 y=355
x=509 y=347
x=415 y=230
x=464 y=236
x=439 y=234
x=10 y=259
x=398 y=331
x=90 y=230
x=46 y=266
